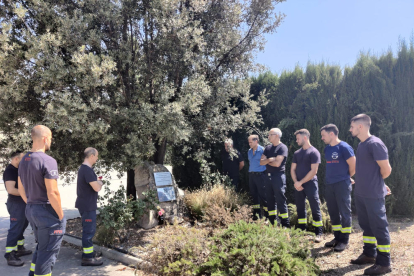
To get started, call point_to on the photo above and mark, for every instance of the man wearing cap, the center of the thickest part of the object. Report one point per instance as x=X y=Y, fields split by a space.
x=88 y=187
x=274 y=157
x=38 y=174
x=16 y=208
x=256 y=176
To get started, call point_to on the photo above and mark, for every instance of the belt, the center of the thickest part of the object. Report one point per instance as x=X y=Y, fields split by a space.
x=257 y=172
x=274 y=173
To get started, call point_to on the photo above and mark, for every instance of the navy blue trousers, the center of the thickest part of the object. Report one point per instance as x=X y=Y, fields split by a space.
x=88 y=232
x=338 y=200
x=257 y=189
x=310 y=191
x=276 y=199
x=48 y=231
x=372 y=218
x=18 y=223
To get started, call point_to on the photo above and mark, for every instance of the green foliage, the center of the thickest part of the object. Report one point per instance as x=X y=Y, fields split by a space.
x=178 y=250
x=258 y=249
x=293 y=217
x=220 y=195
x=118 y=213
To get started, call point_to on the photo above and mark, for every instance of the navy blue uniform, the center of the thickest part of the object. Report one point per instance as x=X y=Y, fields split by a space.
x=256 y=184
x=338 y=189
x=370 y=195
x=86 y=202
x=304 y=159
x=231 y=163
x=275 y=180
x=47 y=228
x=16 y=208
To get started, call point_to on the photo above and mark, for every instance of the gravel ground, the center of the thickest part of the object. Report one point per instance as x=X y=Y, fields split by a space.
x=330 y=262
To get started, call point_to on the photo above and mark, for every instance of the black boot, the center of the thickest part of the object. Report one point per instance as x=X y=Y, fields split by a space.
x=363 y=259
x=377 y=270
x=22 y=251
x=91 y=262
x=13 y=260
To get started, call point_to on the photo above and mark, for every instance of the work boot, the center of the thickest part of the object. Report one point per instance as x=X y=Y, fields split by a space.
x=340 y=247
x=331 y=243
x=97 y=254
x=377 y=270
x=91 y=262
x=363 y=259
x=22 y=251
x=318 y=238
x=13 y=260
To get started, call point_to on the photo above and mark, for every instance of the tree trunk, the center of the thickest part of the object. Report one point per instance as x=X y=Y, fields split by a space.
x=131 y=183
x=159 y=155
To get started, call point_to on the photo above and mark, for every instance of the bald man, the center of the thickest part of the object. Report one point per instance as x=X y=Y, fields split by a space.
x=88 y=187
x=38 y=174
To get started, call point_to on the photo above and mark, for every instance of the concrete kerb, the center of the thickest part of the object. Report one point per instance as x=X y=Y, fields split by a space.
x=111 y=254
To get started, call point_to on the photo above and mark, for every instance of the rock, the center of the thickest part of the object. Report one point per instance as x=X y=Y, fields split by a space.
x=144 y=181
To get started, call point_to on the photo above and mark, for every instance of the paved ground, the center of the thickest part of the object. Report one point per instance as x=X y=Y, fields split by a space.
x=68 y=262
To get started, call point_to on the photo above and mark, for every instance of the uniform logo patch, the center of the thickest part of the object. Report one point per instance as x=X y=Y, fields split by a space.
x=58 y=232
x=88 y=220
x=13 y=219
x=335 y=155
x=53 y=172
x=27 y=159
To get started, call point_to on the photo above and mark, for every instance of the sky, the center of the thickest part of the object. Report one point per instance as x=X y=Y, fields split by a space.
x=336 y=31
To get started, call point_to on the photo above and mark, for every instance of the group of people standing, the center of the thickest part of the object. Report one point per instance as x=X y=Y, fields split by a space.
x=33 y=197
x=267 y=184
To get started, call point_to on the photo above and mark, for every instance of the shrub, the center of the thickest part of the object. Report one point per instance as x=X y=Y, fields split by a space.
x=220 y=216
x=293 y=216
x=118 y=213
x=178 y=250
x=218 y=194
x=258 y=249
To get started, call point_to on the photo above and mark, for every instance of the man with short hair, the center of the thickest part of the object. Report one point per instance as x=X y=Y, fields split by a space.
x=38 y=174
x=340 y=167
x=303 y=171
x=88 y=187
x=372 y=167
x=233 y=162
x=256 y=174
x=16 y=208
x=274 y=157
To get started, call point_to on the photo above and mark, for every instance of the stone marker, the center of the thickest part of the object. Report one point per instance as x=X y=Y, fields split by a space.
x=157 y=177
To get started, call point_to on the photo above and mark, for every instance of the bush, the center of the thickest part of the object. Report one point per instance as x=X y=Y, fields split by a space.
x=118 y=213
x=178 y=250
x=216 y=195
x=293 y=216
x=220 y=216
x=258 y=249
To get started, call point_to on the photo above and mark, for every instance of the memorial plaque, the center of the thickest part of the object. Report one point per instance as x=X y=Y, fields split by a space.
x=163 y=179
x=166 y=194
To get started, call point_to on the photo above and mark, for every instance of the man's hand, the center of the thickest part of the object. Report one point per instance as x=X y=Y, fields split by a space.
x=298 y=186
x=388 y=190
x=352 y=181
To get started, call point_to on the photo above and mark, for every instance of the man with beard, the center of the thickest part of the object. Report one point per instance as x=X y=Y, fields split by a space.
x=372 y=167
x=303 y=171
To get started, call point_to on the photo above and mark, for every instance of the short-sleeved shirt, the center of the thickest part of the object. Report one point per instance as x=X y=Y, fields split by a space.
x=337 y=169
x=34 y=168
x=11 y=174
x=368 y=179
x=254 y=160
x=304 y=159
x=87 y=196
x=273 y=151
x=231 y=163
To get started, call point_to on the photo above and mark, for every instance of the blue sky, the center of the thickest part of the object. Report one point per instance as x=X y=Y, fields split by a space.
x=336 y=31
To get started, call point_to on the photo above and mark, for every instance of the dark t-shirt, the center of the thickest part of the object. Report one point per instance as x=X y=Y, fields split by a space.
x=87 y=196
x=368 y=179
x=231 y=163
x=34 y=168
x=337 y=169
x=304 y=159
x=273 y=151
x=11 y=174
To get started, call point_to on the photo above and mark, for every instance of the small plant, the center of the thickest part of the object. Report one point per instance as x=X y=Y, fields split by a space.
x=259 y=249
x=118 y=213
x=177 y=250
x=293 y=216
x=218 y=194
x=220 y=216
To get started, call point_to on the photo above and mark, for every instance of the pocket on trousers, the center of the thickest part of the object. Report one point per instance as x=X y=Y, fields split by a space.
x=56 y=236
